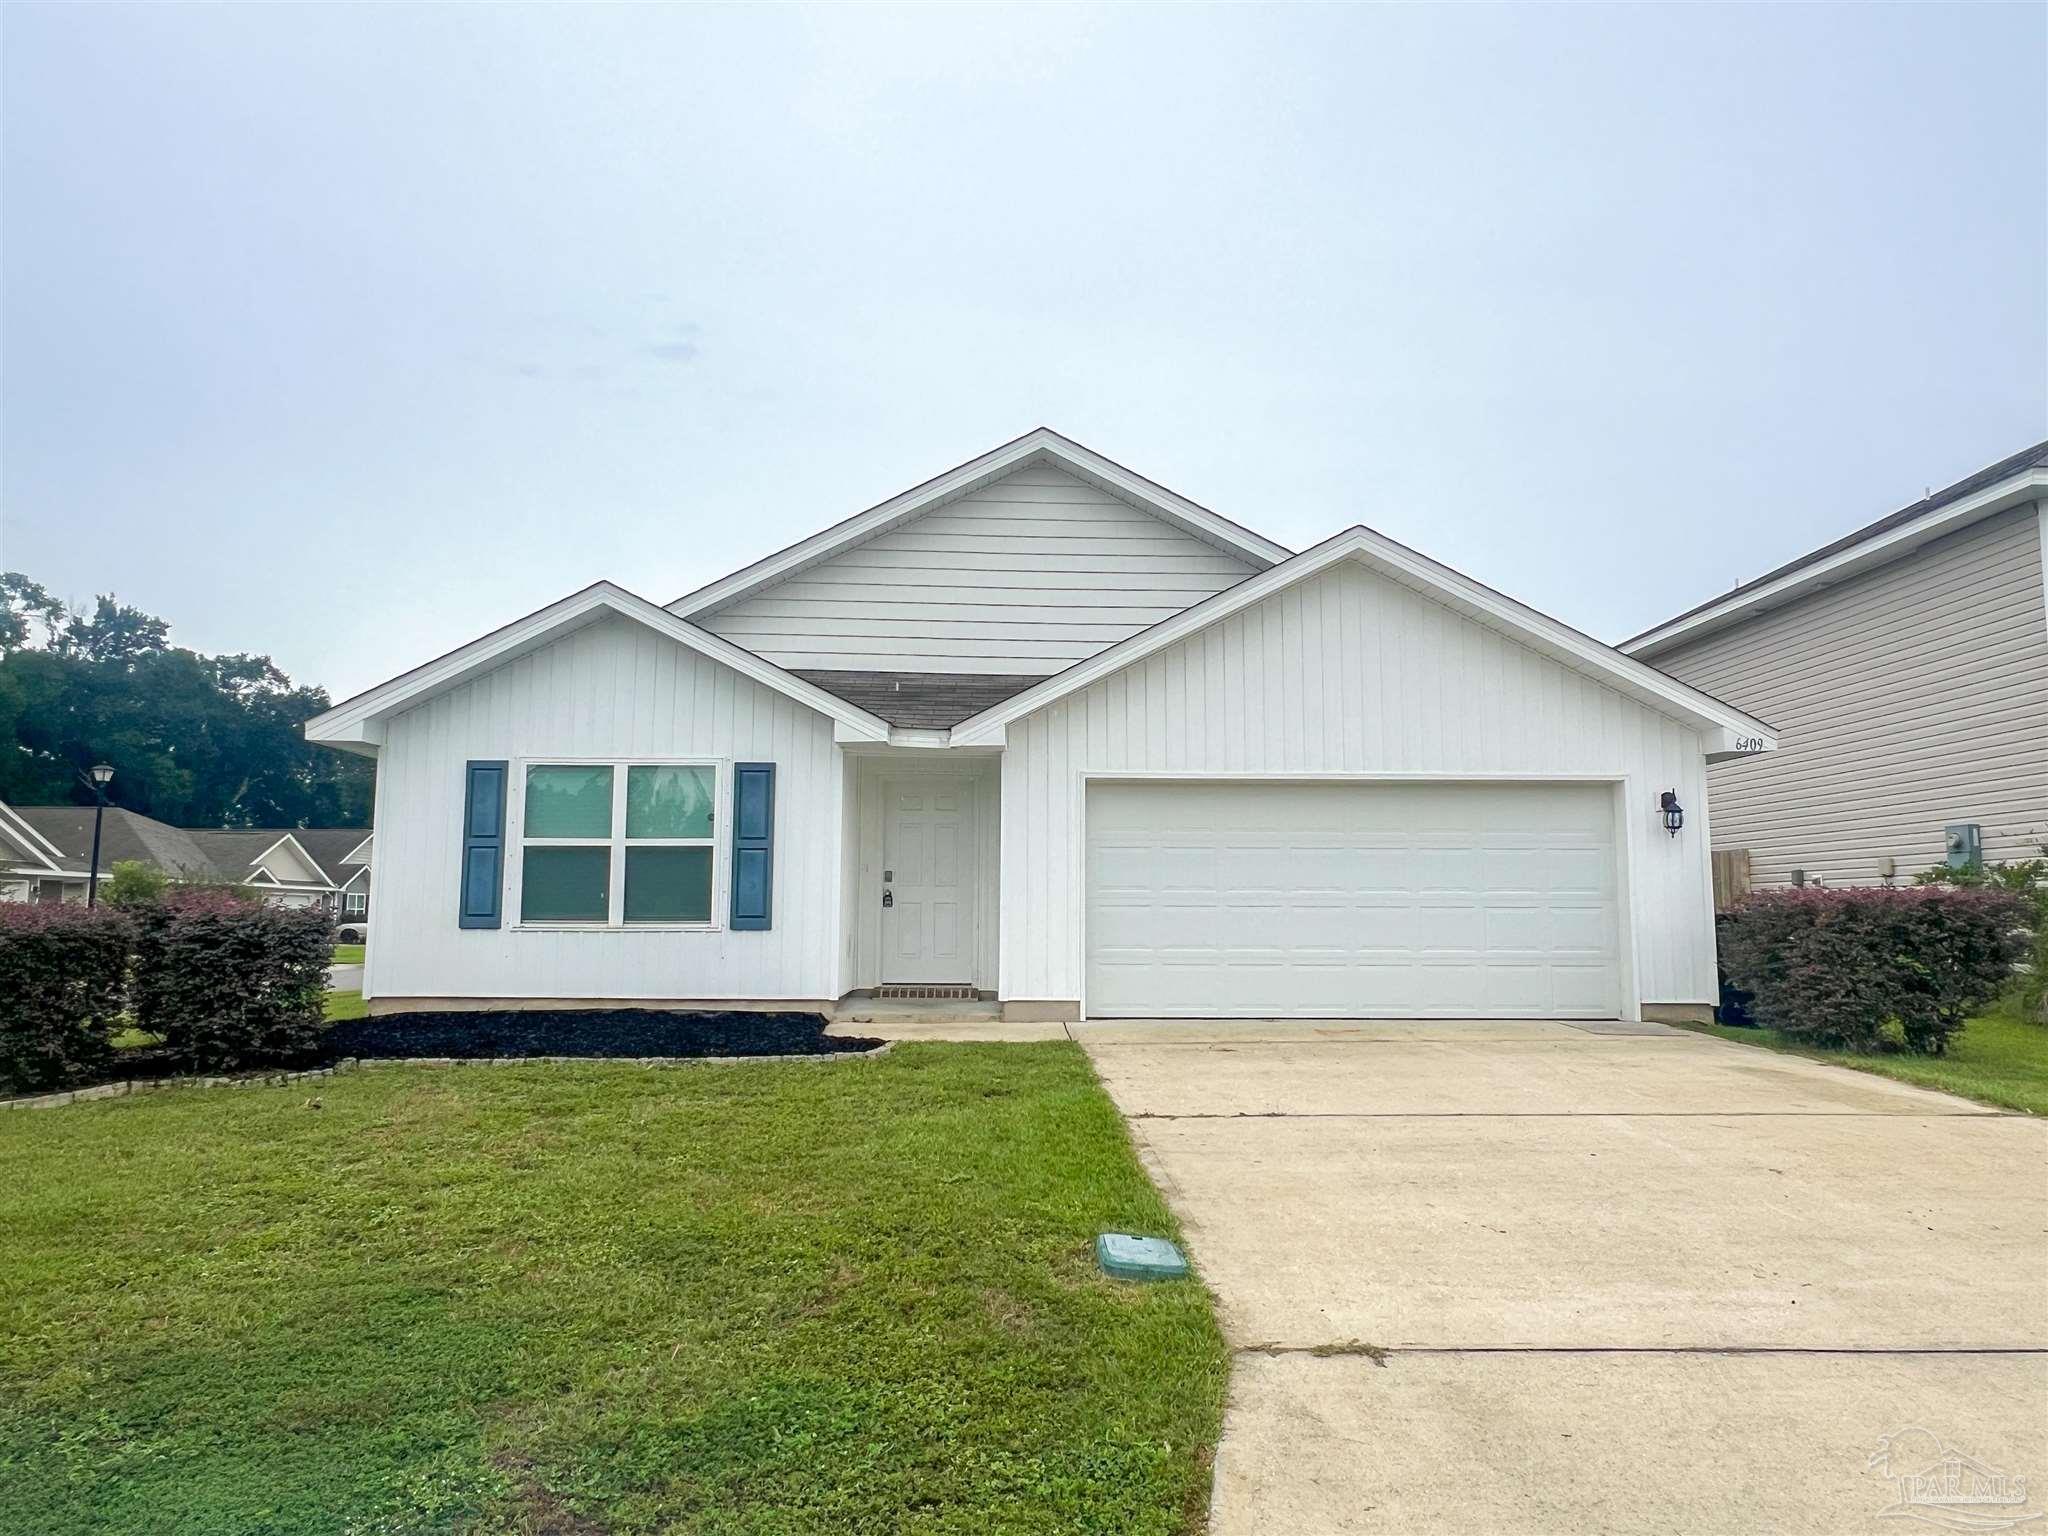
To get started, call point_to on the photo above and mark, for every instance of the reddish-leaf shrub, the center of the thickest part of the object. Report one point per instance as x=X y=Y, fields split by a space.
x=63 y=984
x=228 y=982
x=1844 y=967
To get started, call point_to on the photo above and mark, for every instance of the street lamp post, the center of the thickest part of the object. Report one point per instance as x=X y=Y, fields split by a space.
x=95 y=779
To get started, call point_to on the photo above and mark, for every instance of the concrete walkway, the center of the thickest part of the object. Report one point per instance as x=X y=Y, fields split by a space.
x=1513 y=1278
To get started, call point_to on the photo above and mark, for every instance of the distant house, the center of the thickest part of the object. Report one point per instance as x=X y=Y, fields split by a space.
x=45 y=851
x=1907 y=666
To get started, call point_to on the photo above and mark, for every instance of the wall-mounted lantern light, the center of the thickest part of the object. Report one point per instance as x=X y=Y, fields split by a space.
x=1674 y=813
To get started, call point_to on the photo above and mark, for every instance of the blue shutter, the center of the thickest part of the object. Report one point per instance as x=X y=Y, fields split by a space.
x=483 y=846
x=753 y=845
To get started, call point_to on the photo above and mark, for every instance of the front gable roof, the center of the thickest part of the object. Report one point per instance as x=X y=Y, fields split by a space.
x=1397 y=562
x=357 y=724
x=1041 y=446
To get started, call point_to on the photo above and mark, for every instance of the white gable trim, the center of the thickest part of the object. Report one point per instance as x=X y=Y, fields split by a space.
x=352 y=879
x=1043 y=446
x=1864 y=554
x=360 y=720
x=32 y=842
x=362 y=848
x=1396 y=561
x=305 y=858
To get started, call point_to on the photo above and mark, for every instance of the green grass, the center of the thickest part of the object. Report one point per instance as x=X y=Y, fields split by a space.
x=345 y=1005
x=850 y=1296
x=1997 y=1059
x=348 y=954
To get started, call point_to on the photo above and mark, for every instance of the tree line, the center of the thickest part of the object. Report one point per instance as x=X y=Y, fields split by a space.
x=197 y=741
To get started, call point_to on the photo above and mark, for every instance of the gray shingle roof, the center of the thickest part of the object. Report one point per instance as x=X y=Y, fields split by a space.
x=926 y=700
x=2035 y=457
x=190 y=853
x=127 y=835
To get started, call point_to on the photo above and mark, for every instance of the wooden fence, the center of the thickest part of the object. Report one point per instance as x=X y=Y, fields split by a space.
x=1731 y=877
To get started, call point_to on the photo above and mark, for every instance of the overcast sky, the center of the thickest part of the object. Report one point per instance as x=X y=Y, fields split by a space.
x=348 y=334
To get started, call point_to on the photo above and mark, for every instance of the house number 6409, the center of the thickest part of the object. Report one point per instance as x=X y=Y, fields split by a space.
x=1749 y=743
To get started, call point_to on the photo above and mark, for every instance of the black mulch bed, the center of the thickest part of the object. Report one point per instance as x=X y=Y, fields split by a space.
x=580 y=1032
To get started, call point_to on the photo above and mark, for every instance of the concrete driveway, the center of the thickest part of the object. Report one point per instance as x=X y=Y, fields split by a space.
x=1536 y=1277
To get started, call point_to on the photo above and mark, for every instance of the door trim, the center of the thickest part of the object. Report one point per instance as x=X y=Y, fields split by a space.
x=968 y=787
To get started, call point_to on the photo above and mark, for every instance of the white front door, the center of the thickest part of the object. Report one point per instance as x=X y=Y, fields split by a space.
x=928 y=881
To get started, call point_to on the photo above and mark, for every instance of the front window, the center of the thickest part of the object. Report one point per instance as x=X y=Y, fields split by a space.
x=358 y=901
x=617 y=843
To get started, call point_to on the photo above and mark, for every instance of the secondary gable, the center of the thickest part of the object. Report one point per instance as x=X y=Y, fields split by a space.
x=1024 y=576
x=285 y=864
x=1350 y=671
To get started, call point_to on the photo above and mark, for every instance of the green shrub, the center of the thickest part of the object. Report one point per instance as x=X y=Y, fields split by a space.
x=63 y=984
x=131 y=883
x=229 y=983
x=2028 y=878
x=1870 y=967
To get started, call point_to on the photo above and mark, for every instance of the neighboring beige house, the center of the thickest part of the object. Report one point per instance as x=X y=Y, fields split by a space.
x=1906 y=669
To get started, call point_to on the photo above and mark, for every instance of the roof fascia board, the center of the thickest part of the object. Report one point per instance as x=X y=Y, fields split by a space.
x=30 y=840
x=1879 y=549
x=1400 y=563
x=351 y=721
x=350 y=856
x=1040 y=445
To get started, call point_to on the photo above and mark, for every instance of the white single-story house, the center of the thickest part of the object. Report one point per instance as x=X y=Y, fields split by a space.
x=1043 y=731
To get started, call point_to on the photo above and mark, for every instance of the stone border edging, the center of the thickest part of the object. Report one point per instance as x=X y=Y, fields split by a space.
x=122 y=1090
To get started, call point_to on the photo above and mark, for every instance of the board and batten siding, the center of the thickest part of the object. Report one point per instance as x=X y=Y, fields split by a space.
x=1907 y=698
x=613 y=689
x=1350 y=673
x=1025 y=576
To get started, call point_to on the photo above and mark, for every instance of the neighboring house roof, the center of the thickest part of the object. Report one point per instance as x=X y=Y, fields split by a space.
x=1399 y=563
x=25 y=850
x=357 y=723
x=330 y=847
x=921 y=700
x=1994 y=489
x=238 y=852
x=126 y=835
x=186 y=853
x=1041 y=446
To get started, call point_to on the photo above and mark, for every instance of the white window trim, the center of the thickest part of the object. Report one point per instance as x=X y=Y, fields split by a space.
x=356 y=901
x=615 y=901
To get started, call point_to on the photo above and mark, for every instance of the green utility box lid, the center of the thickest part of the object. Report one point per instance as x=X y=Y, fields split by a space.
x=1138 y=1258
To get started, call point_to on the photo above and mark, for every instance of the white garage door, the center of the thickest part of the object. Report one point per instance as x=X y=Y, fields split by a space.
x=1266 y=900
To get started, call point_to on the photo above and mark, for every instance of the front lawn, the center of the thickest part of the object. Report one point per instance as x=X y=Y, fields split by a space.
x=1997 y=1059
x=348 y=954
x=834 y=1296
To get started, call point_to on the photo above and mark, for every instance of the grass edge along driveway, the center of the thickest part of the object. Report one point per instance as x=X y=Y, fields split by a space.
x=836 y=1296
x=1998 y=1059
